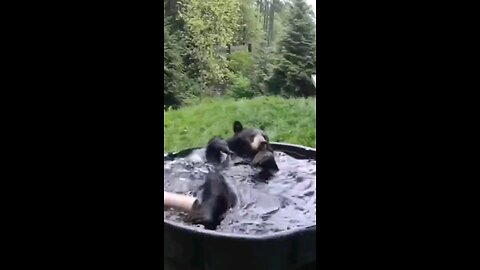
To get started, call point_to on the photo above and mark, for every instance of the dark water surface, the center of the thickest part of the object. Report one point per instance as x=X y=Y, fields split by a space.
x=286 y=201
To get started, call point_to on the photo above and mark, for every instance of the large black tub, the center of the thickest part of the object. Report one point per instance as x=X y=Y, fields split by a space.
x=191 y=248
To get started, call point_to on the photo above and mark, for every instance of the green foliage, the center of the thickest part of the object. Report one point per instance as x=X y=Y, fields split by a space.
x=263 y=67
x=296 y=63
x=241 y=87
x=284 y=120
x=208 y=24
x=173 y=89
x=241 y=62
x=195 y=31
x=250 y=26
x=280 y=23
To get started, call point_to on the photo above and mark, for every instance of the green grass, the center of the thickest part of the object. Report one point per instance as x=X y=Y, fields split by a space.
x=284 y=120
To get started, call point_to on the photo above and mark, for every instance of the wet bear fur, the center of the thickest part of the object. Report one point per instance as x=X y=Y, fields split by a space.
x=213 y=152
x=216 y=198
x=265 y=160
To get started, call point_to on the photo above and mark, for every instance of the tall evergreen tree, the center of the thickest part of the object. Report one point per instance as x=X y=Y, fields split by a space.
x=296 y=63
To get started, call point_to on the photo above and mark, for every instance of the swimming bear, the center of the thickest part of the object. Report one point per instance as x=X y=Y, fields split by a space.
x=250 y=145
x=213 y=152
x=216 y=198
x=245 y=143
x=265 y=160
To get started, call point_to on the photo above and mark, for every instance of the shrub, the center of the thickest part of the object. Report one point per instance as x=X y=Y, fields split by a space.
x=241 y=62
x=241 y=87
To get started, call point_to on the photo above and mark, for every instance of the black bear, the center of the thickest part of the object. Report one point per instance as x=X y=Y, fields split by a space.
x=265 y=160
x=245 y=143
x=250 y=145
x=216 y=199
x=216 y=146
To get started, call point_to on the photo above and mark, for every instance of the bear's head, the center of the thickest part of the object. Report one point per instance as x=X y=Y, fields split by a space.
x=246 y=142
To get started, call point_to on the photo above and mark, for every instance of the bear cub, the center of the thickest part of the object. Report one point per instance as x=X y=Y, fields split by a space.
x=217 y=197
x=245 y=143
x=216 y=146
x=265 y=160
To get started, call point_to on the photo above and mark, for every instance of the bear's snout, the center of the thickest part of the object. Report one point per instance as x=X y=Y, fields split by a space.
x=258 y=141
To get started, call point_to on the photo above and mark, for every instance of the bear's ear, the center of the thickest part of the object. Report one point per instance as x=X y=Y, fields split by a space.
x=237 y=126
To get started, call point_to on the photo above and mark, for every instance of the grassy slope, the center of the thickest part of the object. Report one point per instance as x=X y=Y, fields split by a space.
x=284 y=120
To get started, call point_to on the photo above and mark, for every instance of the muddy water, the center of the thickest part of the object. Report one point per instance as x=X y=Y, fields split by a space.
x=286 y=201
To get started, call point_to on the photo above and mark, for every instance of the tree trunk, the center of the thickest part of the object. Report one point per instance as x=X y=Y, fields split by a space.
x=270 y=28
x=265 y=17
x=260 y=9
